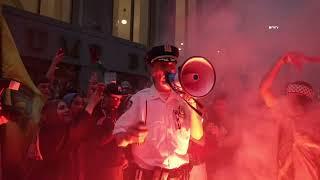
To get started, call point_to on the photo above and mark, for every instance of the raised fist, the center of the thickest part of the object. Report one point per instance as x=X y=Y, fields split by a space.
x=294 y=58
x=59 y=56
x=97 y=94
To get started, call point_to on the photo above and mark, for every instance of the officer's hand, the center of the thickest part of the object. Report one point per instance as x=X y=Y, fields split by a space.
x=138 y=133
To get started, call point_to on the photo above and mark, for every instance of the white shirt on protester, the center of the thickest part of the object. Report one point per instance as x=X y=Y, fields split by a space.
x=166 y=144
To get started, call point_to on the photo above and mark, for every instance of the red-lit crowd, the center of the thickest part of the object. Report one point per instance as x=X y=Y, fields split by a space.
x=116 y=132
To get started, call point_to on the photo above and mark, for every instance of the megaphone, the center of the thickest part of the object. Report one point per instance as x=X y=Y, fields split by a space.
x=197 y=76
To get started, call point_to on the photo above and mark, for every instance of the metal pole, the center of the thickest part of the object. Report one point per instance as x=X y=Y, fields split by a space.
x=132 y=20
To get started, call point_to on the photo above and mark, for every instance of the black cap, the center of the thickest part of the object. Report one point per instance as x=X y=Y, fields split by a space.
x=113 y=89
x=165 y=53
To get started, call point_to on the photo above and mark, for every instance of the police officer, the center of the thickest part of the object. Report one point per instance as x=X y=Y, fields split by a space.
x=159 y=124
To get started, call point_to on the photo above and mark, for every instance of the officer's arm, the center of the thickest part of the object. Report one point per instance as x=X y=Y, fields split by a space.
x=196 y=122
x=135 y=134
x=123 y=139
x=126 y=121
x=196 y=126
x=200 y=142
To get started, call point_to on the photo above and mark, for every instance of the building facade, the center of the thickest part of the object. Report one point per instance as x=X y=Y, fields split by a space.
x=108 y=37
x=90 y=32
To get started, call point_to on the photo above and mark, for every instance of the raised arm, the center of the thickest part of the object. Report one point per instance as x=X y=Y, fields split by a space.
x=267 y=81
x=56 y=60
x=85 y=122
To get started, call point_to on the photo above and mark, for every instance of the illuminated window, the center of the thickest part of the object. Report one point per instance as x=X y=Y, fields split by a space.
x=131 y=20
x=57 y=9
x=180 y=28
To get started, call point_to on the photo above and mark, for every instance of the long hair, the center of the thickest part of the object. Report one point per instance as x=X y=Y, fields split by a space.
x=53 y=132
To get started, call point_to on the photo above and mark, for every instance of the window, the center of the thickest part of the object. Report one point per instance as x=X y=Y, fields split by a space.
x=180 y=33
x=131 y=20
x=187 y=23
x=57 y=9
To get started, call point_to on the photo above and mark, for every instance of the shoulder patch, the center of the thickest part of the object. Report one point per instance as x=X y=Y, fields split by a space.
x=129 y=104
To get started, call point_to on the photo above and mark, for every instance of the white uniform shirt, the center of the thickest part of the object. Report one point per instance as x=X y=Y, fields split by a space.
x=168 y=122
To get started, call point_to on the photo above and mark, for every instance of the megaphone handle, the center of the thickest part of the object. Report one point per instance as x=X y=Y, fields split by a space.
x=193 y=108
x=198 y=104
x=175 y=89
x=187 y=97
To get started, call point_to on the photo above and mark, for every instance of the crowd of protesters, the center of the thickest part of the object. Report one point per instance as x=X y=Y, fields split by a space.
x=75 y=140
x=75 y=137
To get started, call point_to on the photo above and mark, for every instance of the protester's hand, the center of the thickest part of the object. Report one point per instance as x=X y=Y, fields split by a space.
x=59 y=56
x=138 y=133
x=93 y=78
x=97 y=95
x=295 y=58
